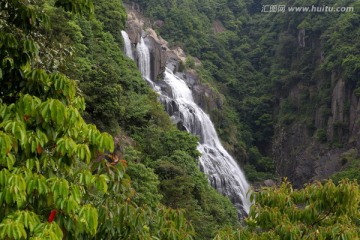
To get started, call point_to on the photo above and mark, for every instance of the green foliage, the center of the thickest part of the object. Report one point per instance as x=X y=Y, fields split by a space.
x=52 y=160
x=256 y=176
x=145 y=184
x=78 y=7
x=109 y=80
x=351 y=163
x=157 y=143
x=43 y=138
x=350 y=172
x=343 y=54
x=184 y=186
x=119 y=100
x=113 y=16
x=54 y=182
x=318 y=211
x=190 y=62
x=260 y=167
x=357 y=92
x=321 y=135
x=121 y=218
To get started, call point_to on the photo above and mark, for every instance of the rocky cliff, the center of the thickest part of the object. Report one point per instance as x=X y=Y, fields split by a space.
x=317 y=144
x=163 y=56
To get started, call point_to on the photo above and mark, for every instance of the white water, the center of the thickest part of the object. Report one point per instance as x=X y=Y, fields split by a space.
x=144 y=59
x=128 y=49
x=221 y=169
x=144 y=63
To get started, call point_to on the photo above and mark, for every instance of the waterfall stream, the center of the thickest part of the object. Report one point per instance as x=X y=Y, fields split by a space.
x=223 y=172
x=144 y=59
x=127 y=46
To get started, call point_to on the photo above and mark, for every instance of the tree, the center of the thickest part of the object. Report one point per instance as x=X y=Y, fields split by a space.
x=318 y=211
x=46 y=146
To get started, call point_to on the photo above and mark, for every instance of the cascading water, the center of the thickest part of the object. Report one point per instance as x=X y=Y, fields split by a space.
x=144 y=63
x=144 y=59
x=127 y=42
x=221 y=169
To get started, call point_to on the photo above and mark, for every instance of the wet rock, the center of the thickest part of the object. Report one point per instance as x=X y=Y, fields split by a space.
x=203 y=94
x=158 y=24
x=269 y=183
x=157 y=55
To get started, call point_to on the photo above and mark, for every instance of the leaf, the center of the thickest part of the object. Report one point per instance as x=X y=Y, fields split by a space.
x=30 y=46
x=101 y=183
x=45 y=110
x=12 y=229
x=8 y=61
x=105 y=142
x=17 y=128
x=90 y=215
x=66 y=146
x=39 y=149
x=60 y=189
x=29 y=219
x=5 y=143
x=83 y=152
x=4 y=175
x=48 y=231
x=10 y=161
x=76 y=193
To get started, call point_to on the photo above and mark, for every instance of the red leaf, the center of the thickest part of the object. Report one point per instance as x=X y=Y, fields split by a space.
x=39 y=149
x=123 y=162
x=52 y=215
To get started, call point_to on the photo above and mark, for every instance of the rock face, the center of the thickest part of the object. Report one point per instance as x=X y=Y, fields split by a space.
x=301 y=158
x=306 y=152
x=162 y=56
x=204 y=96
x=158 y=57
x=134 y=26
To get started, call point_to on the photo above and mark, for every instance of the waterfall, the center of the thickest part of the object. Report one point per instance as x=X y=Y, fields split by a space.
x=127 y=47
x=144 y=59
x=144 y=63
x=222 y=171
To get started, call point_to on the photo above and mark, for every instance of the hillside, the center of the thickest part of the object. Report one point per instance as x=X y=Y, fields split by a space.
x=290 y=80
